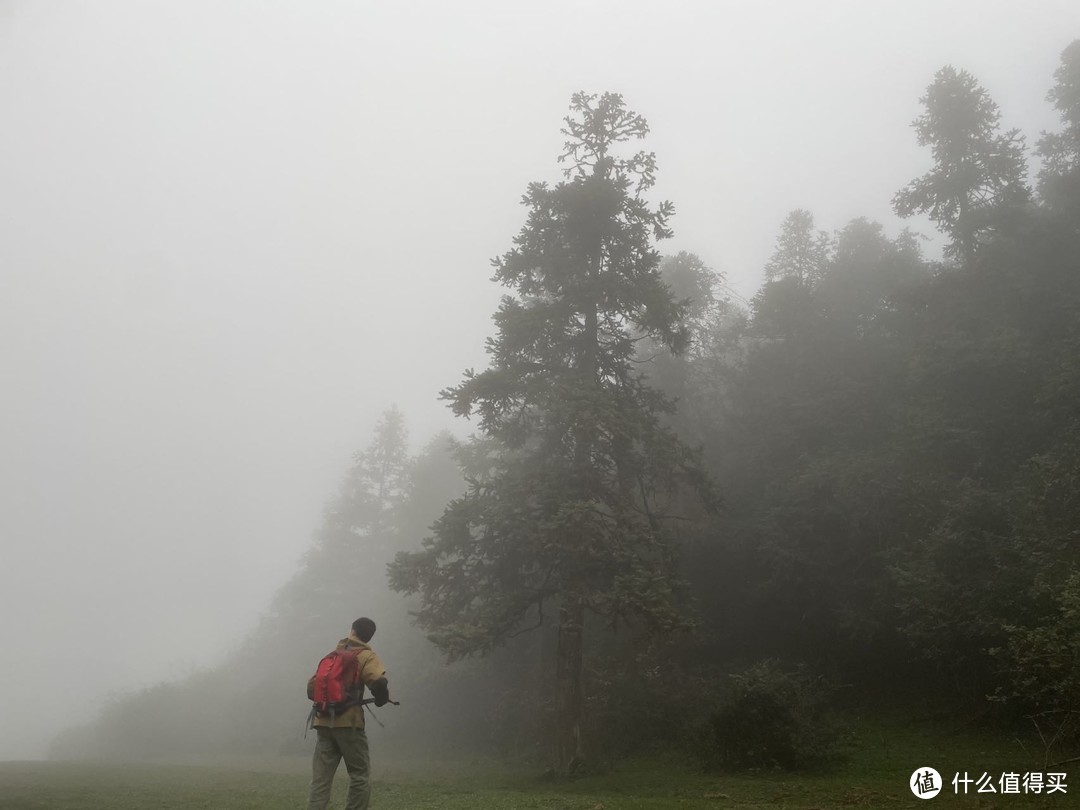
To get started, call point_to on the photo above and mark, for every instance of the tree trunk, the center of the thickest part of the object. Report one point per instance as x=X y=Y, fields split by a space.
x=569 y=665
x=569 y=698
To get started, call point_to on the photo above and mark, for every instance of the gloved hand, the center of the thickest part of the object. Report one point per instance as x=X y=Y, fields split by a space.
x=380 y=691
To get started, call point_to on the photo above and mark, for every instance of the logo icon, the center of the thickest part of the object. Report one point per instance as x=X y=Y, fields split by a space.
x=925 y=783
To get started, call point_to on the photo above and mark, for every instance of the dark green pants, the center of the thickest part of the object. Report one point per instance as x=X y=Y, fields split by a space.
x=334 y=745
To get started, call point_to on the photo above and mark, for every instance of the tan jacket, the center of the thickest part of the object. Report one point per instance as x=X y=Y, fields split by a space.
x=371 y=669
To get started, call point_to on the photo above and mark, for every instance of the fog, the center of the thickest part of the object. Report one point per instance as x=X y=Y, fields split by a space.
x=235 y=233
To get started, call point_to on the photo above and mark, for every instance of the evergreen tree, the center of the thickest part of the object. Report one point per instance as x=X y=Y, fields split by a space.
x=801 y=253
x=357 y=537
x=1059 y=179
x=575 y=475
x=976 y=169
x=784 y=306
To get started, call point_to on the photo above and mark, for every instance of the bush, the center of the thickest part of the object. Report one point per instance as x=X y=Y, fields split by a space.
x=1040 y=667
x=770 y=717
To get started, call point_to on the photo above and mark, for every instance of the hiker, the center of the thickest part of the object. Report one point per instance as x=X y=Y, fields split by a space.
x=341 y=732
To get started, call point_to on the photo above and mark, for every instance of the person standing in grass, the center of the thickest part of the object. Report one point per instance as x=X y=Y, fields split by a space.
x=341 y=734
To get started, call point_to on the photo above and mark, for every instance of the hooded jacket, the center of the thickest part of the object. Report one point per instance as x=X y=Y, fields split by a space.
x=371 y=670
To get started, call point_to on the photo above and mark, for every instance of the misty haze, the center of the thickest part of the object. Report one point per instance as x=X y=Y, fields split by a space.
x=688 y=393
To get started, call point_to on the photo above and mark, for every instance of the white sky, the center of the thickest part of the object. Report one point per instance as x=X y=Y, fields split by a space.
x=231 y=233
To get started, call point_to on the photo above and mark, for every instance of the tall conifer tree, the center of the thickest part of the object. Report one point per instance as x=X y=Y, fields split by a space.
x=575 y=476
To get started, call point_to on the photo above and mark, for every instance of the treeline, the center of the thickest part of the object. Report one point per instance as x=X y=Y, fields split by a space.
x=894 y=444
x=254 y=702
x=897 y=440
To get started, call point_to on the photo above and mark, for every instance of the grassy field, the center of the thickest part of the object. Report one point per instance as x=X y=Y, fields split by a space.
x=880 y=760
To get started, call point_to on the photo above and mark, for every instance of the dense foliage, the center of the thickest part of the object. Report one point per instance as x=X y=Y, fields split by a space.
x=897 y=446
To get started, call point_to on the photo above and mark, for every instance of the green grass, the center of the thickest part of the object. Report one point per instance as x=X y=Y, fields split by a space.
x=880 y=756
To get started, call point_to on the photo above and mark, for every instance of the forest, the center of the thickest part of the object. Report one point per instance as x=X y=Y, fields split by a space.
x=683 y=521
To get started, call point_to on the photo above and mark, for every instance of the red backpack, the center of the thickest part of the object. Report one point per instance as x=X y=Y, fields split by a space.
x=337 y=682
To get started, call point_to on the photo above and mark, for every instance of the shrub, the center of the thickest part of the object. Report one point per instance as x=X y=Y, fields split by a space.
x=771 y=717
x=1040 y=667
